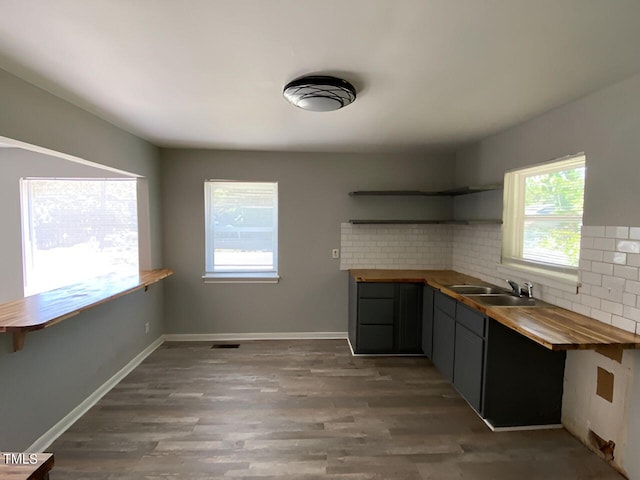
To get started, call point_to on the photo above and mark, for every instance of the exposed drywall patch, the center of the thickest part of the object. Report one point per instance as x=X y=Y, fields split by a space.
x=605 y=447
x=604 y=385
x=612 y=352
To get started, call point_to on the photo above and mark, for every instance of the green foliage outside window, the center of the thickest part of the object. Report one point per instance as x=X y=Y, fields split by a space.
x=553 y=216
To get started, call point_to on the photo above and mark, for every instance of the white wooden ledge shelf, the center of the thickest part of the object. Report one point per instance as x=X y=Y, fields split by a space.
x=48 y=308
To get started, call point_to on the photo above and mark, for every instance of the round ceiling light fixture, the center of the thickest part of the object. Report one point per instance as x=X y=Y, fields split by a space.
x=319 y=93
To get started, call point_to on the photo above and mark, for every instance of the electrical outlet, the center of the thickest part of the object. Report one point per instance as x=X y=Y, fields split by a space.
x=335 y=253
x=146 y=327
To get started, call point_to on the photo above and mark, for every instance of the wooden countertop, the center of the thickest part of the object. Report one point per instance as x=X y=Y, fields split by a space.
x=24 y=470
x=552 y=327
x=48 y=308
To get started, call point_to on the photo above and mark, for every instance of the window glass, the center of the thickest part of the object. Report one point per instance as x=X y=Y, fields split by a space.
x=76 y=229
x=543 y=213
x=241 y=226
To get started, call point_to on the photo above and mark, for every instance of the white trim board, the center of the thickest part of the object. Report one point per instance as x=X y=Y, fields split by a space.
x=42 y=443
x=217 y=337
x=521 y=428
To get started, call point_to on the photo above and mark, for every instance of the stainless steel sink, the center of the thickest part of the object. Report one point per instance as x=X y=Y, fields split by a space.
x=476 y=289
x=505 y=300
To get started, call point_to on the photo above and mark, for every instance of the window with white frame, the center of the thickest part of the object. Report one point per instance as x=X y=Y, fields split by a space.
x=76 y=229
x=241 y=230
x=543 y=208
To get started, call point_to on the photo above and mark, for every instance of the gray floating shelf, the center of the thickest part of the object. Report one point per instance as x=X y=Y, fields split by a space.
x=420 y=193
x=426 y=222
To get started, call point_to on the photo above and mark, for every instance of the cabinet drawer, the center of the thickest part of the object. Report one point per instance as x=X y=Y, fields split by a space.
x=376 y=290
x=474 y=321
x=375 y=339
x=446 y=304
x=375 y=311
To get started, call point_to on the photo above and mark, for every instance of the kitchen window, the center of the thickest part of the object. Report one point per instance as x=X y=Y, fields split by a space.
x=241 y=231
x=543 y=208
x=77 y=229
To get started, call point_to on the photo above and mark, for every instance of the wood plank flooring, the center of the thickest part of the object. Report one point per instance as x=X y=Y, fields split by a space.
x=301 y=410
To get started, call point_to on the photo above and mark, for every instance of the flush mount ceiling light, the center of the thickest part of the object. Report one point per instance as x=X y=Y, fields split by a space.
x=319 y=93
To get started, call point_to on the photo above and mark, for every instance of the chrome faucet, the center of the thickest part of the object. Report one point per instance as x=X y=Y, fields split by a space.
x=515 y=288
x=529 y=286
x=519 y=291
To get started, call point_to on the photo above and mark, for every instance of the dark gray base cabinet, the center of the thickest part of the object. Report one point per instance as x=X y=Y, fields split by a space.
x=427 y=320
x=522 y=382
x=444 y=335
x=385 y=318
x=508 y=379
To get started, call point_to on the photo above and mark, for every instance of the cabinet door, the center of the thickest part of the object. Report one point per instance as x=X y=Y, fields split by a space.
x=468 y=365
x=444 y=333
x=408 y=320
x=427 y=321
x=375 y=339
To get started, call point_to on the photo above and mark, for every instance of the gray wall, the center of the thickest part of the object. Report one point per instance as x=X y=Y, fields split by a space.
x=606 y=126
x=61 y=365
x=313 y=200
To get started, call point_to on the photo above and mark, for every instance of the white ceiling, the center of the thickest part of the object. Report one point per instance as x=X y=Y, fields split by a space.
x=210 y=73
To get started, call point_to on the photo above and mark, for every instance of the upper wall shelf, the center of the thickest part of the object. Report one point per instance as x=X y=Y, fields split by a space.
x=426 y=222
x=438 y=193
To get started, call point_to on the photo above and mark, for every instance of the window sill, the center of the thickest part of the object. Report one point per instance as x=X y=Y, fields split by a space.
x=233 y=277
x=562 y=281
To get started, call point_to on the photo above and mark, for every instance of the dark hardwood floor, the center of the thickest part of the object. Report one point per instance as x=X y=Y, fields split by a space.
x=301 y=410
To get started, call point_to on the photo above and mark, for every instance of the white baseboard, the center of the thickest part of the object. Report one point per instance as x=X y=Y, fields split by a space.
x=218 y=337
x=42 y=443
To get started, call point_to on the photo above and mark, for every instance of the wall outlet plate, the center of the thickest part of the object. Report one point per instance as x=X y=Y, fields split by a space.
x=335 y=253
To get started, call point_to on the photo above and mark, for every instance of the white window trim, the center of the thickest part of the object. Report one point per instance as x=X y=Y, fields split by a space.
x=561 y=281
x=566 y=278
x=228 y=277
x=258 y=276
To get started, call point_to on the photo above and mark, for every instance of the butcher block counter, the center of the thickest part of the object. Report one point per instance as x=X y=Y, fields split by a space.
x=554 y=328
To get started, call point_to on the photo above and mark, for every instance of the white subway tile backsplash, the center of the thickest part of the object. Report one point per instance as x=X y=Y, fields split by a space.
x=623 y=323
x=611 y=307
x=615 y=257
x=396 y=246
x=591 y=254
x=629 y=299
x=609 y=262
x=630 y=273
x=604 y=244
x=585 y=265
x=632 y=287
x=633 y=259
x=628 y=246
x=613 y=283
x=561 y=302
x=607 y=294
x=600 y=267
x=603 y=317
x=586 y=242
x=632 y=313
x=590 y=301
x=581 y=309
x=591 y=231
x=590 y=278
x=617 y=232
